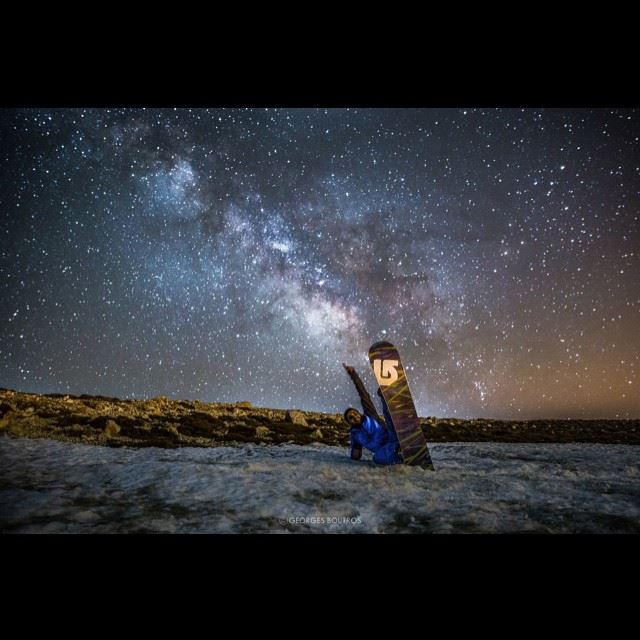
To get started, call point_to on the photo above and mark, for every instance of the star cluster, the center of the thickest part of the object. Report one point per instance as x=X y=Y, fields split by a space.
x=244 y=254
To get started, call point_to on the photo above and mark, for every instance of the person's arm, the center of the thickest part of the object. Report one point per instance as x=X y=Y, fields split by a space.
x=368 y=407
x=374 y=431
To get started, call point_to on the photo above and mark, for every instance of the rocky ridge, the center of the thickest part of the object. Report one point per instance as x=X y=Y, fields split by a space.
x=161 y=422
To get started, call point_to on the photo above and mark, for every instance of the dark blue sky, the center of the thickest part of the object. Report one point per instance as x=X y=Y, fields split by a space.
x=232 y=254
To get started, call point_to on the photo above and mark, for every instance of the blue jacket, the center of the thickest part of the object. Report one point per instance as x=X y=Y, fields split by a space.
x=381 y=440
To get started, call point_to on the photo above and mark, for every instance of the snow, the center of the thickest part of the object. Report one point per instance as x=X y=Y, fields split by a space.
x=50 y=487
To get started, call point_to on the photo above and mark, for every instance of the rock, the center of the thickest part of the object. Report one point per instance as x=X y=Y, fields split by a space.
x=296 y=417
x=5 y=407
x=199 y=424
x=17 y=429
x=245 y=404
x=242 y=432
x=317 y=434
x=8 y=418
x=261 y=432
x=111 y=428
x=168 y=435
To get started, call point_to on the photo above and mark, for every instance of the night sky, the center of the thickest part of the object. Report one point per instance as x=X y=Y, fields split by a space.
x=244 y=254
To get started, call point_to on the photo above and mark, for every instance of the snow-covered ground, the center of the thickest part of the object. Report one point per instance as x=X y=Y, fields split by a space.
x=49 y=487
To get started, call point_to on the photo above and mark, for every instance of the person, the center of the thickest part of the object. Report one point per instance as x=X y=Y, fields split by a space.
x=370 y=431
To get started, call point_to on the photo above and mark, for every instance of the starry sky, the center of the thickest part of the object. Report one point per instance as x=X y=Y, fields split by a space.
x=244 y=254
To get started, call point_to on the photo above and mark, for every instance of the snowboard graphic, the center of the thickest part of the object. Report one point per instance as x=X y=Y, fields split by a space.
x=387 y=367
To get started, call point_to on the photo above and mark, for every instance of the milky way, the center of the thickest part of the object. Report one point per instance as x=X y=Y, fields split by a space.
x=244 y=254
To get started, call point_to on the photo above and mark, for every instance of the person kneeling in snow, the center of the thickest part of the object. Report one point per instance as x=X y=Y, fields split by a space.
x=368 y=430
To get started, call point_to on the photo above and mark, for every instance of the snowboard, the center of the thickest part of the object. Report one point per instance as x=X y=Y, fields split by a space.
x=389 y=372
